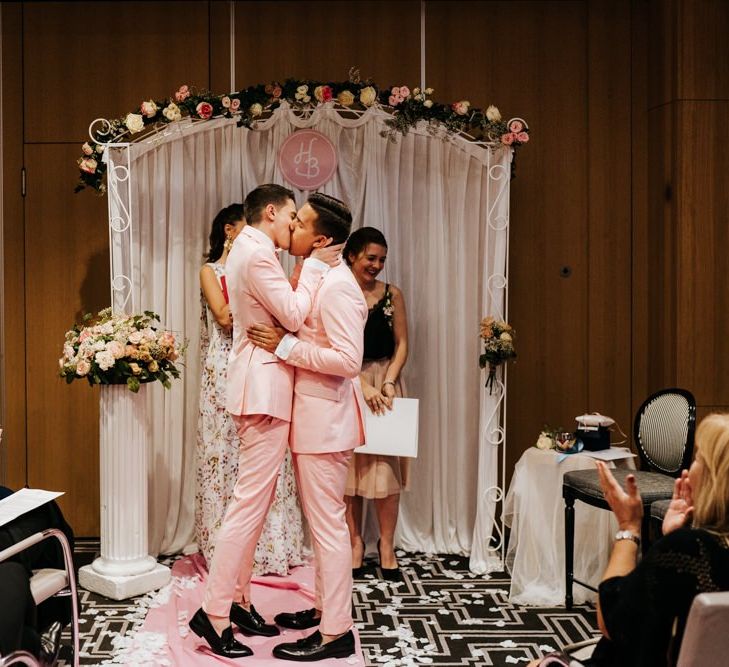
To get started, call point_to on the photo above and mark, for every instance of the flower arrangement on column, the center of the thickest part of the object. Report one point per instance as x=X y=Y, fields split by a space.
x=498 y=340
x=121 y=354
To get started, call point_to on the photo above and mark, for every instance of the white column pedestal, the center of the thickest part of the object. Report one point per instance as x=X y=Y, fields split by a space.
x=125 y=568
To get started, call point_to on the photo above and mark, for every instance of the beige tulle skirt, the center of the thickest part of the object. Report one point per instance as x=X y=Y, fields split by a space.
x=371 y=475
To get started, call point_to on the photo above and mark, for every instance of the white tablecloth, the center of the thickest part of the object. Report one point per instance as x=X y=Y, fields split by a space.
x=534 y=509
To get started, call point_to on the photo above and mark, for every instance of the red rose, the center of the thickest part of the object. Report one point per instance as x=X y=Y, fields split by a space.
x=204 y=110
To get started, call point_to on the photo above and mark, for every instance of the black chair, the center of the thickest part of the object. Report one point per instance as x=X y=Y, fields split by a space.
x=663 y=434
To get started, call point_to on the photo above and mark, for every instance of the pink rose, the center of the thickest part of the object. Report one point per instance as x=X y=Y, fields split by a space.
x=88 y=165
x=234 y=104
x=276 y=92
x=86 y=148
x=204 y=110
x=82 y=367
x=393 y=101
x=514 y=137
x=323 y=93
x=461 y=107
x=404 y=91
x=182 y=94
x=516 y=126
x=522 y=137
x=225 y=101
x=507 y=139
x=148 y=109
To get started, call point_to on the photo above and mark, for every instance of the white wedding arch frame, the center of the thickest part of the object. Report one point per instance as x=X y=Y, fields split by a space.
x=487 y=550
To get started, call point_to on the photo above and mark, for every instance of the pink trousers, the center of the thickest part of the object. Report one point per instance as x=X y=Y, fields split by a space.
x=263 y=443
x=321 y=479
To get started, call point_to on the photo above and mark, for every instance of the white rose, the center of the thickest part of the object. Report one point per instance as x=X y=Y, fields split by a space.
x=82 y=367
x=416 y=91
x=134 y=122
x=104 y=359
x=153 y=366
x=367 y=96
x=99 y=148
x=135 y=368
x=428 y=91
x=136 y=337
x=428 y=103
x=68 y=351
x=505 y=336
x=149 y=109
x=115 y=348
x=302 y=90
x=172 y=112
x=493 y=114
x=544 y=442
x=256 y=109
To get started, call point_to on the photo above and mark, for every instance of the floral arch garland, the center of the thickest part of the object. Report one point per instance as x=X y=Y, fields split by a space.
x=407 y=108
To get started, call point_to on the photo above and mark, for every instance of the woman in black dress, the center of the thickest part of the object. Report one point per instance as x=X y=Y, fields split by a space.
x=642 y=609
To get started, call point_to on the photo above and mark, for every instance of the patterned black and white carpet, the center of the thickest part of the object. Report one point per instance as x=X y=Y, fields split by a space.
x=441 y=614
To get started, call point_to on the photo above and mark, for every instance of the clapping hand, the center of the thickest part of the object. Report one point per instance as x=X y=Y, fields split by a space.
x=625 y=504
x=682 y=505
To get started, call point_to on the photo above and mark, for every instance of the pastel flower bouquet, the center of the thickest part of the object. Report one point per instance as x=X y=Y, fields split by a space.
x=498 y=339
x=120 y=349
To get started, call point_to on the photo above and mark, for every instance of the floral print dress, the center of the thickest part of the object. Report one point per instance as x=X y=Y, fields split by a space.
x=281 y=543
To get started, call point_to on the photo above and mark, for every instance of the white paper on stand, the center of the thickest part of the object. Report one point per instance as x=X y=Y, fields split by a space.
x=395 y=433
x=612 y=454
x=24 y=501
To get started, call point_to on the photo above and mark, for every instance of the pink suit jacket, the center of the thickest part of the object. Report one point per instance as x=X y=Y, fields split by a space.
x=258 y=290
x=328 y=403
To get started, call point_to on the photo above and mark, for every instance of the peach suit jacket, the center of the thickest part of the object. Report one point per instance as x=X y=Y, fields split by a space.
x=259 y=291
x=328 y=412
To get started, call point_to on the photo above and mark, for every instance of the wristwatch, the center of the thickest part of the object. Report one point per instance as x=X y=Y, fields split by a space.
x=627 y=535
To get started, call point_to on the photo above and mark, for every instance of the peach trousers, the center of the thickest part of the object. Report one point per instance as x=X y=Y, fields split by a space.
x=263 y=443
x=321 y=479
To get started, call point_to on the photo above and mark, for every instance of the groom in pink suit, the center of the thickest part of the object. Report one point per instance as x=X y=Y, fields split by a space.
x=259 y=396
x=326 y=425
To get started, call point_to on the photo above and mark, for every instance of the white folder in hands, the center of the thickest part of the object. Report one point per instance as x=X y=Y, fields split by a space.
x=395 y=433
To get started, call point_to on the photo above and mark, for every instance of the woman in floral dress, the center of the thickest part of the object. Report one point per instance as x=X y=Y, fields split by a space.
x=281 y=542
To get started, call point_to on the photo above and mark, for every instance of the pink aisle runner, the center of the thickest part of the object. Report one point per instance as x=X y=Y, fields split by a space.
x=270 y=595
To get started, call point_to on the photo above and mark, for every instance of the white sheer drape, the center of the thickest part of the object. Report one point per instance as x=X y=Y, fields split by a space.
x=431 y=198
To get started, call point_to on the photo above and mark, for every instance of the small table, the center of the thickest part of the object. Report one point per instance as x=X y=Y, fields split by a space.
x=534 y=510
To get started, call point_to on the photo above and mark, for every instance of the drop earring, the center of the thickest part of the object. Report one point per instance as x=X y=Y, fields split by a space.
x=228 y=243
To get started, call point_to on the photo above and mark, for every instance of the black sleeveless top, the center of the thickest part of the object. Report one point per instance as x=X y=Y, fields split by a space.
x=379 y=341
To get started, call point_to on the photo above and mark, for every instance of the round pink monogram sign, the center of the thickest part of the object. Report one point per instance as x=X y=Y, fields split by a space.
x=307 y=159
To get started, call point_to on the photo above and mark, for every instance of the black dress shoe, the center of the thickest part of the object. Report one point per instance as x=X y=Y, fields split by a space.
x=361 y=571
x=251 y=622
x=225 y=644
x=299 y=620
x=310 y=649
x=388 y=573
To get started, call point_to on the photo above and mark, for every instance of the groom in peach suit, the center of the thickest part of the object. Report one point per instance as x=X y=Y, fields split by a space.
x=259 y=396
x=326 y=425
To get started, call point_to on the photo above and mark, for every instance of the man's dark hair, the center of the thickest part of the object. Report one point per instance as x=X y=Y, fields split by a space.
x=262 y=196
x=360 y=239
x=333 y=217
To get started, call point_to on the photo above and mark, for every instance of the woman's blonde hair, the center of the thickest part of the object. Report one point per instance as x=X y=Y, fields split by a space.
x=711 y=499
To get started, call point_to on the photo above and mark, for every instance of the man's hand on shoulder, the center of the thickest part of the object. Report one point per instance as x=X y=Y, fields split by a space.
x=329 y=254
x=266 y=337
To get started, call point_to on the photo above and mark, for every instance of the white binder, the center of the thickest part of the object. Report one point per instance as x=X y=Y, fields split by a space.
x=395 y=433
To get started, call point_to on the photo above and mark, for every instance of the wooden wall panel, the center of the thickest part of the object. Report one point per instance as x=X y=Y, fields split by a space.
x=541 y=76
x=702 y=207
x=12 y=364
x=639 y=126
x=660 y=37
x=220 y=47
x=85 y=60
x=67 y=274
x=609 y=217
x=702 y=50
x=322 y=40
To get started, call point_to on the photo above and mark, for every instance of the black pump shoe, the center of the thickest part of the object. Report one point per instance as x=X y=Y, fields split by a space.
x=298 y=620
x=251 y=622
x=310 y=649
x=225 y=644
x=388 y=573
